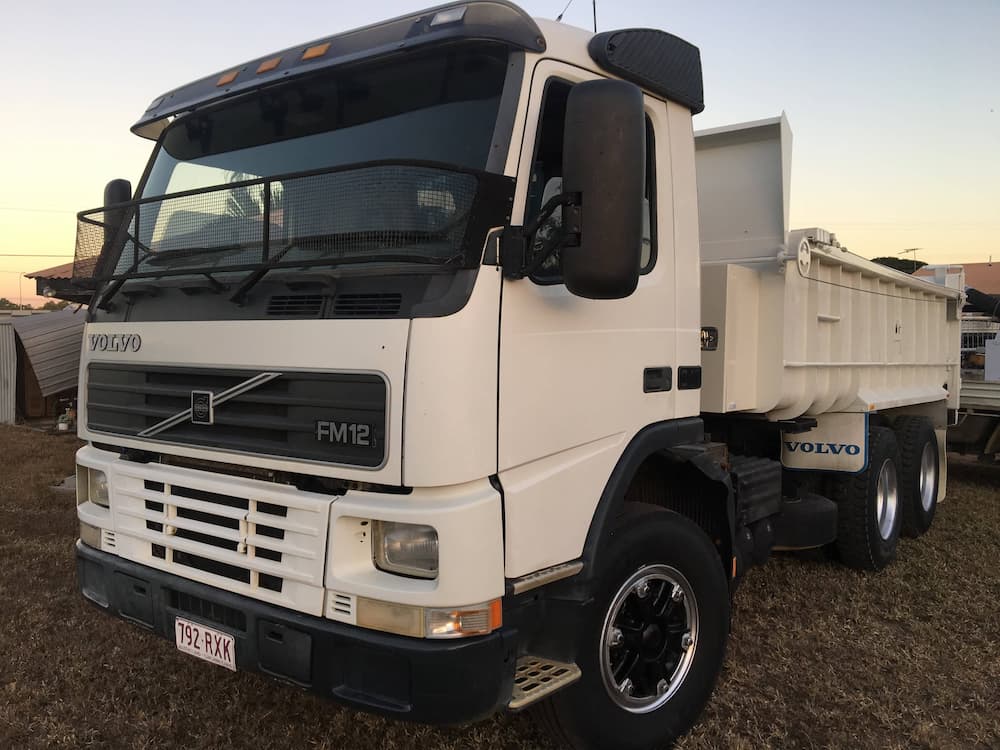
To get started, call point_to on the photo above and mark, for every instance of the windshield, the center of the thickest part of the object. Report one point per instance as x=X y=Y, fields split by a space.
x=246 y=157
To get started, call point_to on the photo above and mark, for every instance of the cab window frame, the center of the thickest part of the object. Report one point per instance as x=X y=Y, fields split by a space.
x=532 y=205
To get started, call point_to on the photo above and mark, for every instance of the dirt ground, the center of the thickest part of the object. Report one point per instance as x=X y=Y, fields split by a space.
x=820 y=656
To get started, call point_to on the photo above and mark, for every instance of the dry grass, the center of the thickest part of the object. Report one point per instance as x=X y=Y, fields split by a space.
x=820 y=656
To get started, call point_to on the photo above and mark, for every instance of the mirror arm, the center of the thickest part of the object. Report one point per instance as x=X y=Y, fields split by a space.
x=515 y=240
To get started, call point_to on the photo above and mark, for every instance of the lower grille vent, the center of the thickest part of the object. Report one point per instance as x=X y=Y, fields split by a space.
x=193 y=605
x=376 y=304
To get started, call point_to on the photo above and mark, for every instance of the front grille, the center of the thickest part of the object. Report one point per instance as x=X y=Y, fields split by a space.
x=280 y=417
x=256 y=538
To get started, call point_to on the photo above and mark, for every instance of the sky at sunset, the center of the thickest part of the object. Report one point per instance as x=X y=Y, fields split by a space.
x=895 y=105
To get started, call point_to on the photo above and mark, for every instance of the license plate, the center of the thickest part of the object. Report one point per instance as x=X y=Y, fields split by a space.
x=205 y=643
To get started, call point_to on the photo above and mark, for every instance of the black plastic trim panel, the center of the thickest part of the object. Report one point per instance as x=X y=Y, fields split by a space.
x=657 y=379
x=652 y=439
x=661 y=63
x=688 y=378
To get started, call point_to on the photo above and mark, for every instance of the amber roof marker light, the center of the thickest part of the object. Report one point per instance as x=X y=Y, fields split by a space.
x=317 y=50
x=268 y=65
x=226 y=78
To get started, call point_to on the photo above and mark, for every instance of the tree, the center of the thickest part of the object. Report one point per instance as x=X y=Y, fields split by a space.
x=900 y=264
x=54 y=305
x=6 y=304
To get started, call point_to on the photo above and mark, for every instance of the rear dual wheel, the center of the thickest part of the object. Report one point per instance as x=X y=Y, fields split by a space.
x=869 y=518
x=896 y=493
x=919 y=473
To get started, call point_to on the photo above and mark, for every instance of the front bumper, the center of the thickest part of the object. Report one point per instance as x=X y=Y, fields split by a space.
x=437 y=682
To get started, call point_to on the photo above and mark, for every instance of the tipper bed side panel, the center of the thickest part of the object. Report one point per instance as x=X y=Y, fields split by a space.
x=842 y=337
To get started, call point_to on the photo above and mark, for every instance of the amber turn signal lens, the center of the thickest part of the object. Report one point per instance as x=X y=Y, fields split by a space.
x=317 y=50
x=268 y=65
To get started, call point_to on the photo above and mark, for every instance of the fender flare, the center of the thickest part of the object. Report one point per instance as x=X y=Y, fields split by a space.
x=678 y=439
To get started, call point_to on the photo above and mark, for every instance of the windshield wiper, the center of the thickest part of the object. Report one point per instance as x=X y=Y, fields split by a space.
x=163 y=257
x=256 y=275
x=239 y=296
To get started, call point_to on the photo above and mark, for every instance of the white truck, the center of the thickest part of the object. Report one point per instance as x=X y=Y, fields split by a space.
x=976 y=428
x=440 y=368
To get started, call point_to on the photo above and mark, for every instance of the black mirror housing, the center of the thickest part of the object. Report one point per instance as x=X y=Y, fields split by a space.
x=604 y=160
x=115 y=192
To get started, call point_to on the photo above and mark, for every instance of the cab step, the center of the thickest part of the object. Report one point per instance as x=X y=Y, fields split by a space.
x=536 y=678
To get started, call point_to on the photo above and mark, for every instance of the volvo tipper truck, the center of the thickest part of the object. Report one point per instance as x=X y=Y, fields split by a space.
x=439 y=367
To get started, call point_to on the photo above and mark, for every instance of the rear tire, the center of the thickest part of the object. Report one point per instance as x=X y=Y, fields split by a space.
x=868 y=512
x=653 y=643
x=919 y=475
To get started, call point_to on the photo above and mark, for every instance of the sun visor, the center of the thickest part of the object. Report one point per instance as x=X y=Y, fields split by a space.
x=486 y=20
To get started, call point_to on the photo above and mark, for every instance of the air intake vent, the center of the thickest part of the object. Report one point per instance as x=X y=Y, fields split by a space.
x=341 y=607
x=364 y=305
x=295 y=305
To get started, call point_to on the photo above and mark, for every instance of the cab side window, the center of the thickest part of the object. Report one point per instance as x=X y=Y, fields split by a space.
x=545 y=182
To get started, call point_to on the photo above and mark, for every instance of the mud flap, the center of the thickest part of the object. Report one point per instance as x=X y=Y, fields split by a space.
x=839 y=442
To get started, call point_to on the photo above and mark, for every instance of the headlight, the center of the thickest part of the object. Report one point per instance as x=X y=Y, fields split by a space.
x=407 y=549
x=92 y=485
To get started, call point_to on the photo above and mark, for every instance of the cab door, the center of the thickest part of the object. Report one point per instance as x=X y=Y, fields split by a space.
x=575 y=383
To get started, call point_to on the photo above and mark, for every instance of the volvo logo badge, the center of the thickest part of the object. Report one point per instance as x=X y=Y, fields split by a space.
x=203 y=403
x=202 y=408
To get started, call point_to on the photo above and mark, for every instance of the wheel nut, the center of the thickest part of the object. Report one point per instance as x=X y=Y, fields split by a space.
x=615 y=637
x=686 y=641
x=642 y=590
x=661 y=687
x=626 y=687
x=677 y=594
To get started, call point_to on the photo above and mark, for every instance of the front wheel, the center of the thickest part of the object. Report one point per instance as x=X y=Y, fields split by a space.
x=653 y=643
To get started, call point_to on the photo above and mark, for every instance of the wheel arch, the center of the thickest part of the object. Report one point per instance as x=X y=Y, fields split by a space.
x=660 y=466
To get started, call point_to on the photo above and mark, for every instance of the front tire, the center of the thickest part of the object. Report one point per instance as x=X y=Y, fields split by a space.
x=652 y=645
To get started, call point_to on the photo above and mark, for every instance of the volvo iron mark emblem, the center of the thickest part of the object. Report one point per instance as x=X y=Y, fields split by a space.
x=203 y=403
x=202 y=408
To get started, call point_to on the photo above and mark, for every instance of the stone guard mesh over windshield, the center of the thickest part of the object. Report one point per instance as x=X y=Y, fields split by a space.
x=397 y=212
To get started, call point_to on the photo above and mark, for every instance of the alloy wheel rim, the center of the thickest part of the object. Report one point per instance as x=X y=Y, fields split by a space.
x=886 y=499
x=649 y=638
x=928 y=476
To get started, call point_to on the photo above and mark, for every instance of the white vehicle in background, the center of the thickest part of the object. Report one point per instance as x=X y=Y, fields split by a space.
x=976 y=429
x=439 y=367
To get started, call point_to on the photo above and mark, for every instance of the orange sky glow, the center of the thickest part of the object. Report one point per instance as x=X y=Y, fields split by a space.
x=894 y=106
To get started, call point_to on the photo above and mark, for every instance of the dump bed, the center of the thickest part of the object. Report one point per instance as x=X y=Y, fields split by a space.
x=805 y=327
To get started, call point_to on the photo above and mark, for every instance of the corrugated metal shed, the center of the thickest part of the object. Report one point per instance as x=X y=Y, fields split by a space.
x=8 y=373
x=52 y=343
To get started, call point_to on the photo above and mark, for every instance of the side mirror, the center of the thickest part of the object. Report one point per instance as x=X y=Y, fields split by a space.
x=604 y=162
x=115 y=192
